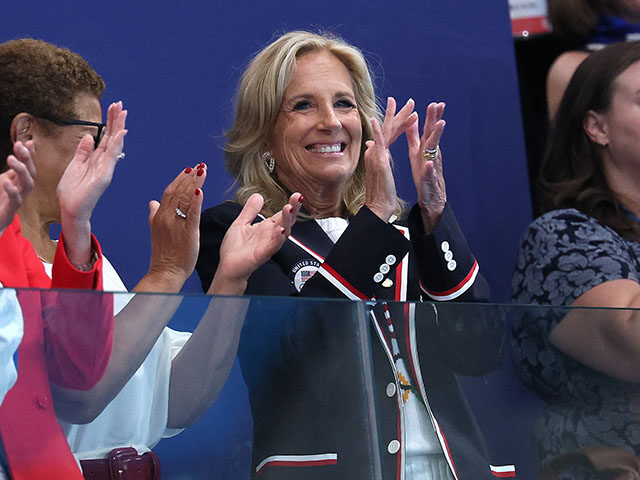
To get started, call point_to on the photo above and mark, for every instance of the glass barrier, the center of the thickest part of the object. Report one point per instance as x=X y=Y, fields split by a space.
x=300 y=388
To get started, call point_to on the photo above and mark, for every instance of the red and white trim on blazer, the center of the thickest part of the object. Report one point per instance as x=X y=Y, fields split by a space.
x=456 y=291
x=297 y=461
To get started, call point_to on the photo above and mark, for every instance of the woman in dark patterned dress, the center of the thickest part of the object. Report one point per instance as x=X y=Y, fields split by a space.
x=585 y=251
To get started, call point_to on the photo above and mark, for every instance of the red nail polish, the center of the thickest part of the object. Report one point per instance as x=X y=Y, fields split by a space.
x=197 y=192
x=200 y=172
x=301 y=199
x=201 y=165
x=187 y=170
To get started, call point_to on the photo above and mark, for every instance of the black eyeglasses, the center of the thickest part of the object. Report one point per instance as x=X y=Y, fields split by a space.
x=72 y=121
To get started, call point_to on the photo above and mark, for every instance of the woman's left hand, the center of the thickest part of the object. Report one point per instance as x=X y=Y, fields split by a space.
x=247 y=246
x=426 y=165
x=175 y=232
x=379 y=182
x=84 y=181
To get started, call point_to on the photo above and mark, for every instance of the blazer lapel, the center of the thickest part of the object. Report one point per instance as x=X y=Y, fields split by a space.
x=303 y=252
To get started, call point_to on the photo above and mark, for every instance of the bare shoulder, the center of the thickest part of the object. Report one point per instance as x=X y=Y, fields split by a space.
x=619 y=293
x=559 y=76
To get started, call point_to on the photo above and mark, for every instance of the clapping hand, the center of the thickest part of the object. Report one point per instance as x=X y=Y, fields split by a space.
x=90 y=171
x=84 y=181
x=426 y=165
x=247 y=246
x=380 y=185
x=16 y=181
x=175 y=234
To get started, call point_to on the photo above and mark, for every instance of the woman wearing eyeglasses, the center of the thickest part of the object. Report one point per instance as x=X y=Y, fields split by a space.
x=49 y=98
x=71 y=351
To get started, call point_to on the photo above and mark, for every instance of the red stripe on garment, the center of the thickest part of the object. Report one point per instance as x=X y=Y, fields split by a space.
x=305 y=246
x=289 y=463
x=412 y=363
x=387 y=314
x=344 y=283
x=398 y=292
x=457 y=287
x=386 y=340
x=446 y=444
x=504 y=474
x=407 y=338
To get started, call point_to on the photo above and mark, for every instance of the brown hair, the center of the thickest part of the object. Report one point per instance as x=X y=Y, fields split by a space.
x=42 y=79
x=259 y=96
x=572 y=174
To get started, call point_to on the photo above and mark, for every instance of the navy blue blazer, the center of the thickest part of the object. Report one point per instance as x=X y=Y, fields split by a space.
x=317 y=413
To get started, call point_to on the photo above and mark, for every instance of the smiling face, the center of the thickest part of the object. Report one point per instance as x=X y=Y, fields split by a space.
x=55 y=149
x=317 y=137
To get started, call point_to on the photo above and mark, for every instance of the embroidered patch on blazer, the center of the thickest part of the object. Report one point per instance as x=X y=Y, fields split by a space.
x=303 y=271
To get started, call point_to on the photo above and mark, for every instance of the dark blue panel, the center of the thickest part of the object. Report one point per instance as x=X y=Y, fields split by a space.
x=176 y=65
x=176 y=68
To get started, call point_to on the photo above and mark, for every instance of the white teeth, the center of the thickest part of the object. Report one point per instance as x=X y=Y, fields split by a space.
x=336 y=147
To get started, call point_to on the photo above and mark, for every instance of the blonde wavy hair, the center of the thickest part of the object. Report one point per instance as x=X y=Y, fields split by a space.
x=259 y=97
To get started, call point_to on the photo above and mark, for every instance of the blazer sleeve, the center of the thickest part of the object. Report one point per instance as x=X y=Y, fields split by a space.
x=352 y=266
x=472 y=339
x=78 y=325
x=66 y=275
x=447 y=268
x=348 y=270
x=11 y=333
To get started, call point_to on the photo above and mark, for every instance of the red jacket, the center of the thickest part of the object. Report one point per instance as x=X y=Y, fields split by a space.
x=67 y=340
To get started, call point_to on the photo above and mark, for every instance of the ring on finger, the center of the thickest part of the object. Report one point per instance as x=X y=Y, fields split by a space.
x=120 y=156
x=431 y=154
x=180 y=213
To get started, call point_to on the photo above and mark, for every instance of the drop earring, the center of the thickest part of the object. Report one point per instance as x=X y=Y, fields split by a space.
x=269 y=161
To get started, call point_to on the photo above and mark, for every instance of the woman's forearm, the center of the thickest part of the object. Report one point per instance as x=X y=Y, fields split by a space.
x=77 y=240
x=200 y=370
x=606 y=339
x=137 y=328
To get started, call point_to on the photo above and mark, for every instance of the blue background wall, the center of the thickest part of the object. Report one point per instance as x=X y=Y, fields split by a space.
x=176 y=64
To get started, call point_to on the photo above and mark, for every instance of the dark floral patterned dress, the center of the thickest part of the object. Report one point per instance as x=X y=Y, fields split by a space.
x=564 y=254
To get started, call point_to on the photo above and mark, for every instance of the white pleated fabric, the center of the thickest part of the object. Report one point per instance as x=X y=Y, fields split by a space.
x=137 y=416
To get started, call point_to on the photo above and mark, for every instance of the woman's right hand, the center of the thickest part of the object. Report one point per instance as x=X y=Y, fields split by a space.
x=174 y=223
x=16 y=181
x=247 y=246
x=90 y=171
x=379 y=182
x=83 y=182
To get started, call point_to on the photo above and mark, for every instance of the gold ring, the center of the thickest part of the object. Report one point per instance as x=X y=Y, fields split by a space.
x=430 y=154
